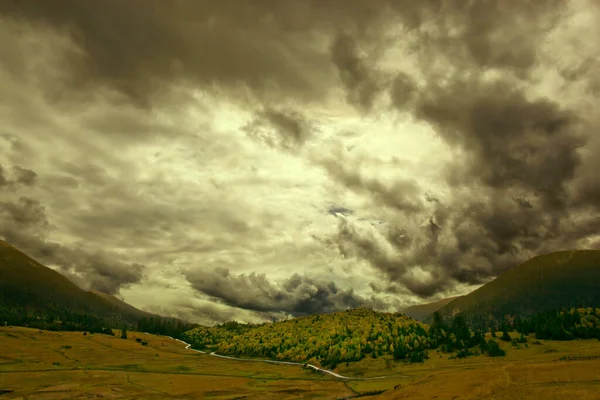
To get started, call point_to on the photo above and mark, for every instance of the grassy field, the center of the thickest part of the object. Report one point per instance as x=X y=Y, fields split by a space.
x=62 y=365
x=532 y=372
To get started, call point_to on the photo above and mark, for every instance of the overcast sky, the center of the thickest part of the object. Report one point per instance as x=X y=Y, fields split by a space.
x=251 y=160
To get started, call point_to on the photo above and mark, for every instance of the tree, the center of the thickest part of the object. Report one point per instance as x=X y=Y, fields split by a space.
x=493 y=349
x=124 y=333
x=506 y=336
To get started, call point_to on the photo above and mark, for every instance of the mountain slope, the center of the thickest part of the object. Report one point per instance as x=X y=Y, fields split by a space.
x=547 y=282
x=30 y=288
x=421 y=311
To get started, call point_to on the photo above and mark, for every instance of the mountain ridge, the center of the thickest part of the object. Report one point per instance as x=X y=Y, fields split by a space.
x=420 y=312
x=27 y=287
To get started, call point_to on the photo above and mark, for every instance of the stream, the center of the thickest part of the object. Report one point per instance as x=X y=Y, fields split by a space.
x=314 y=367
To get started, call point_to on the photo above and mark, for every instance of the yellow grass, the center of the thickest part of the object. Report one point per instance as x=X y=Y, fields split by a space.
x=533 y=372
x=36 y=365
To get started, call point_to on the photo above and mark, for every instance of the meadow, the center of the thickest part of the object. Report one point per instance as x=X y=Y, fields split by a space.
x=38 y=364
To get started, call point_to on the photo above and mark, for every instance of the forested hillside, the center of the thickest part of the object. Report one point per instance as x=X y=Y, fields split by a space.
x=550 y=282
x=565 y=324
x=328 y=338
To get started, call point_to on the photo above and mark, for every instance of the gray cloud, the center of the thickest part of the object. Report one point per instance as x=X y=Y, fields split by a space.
x=402 y=194
x=283 y=129
x=24 y=176
x=224 y=43
x=473 y=147
x=297 y=295
x=403 y=90
x=25 y=225
x=508 y=139
x=339 y=210
x=3 y=180
x=21 y=176
x=361 y=80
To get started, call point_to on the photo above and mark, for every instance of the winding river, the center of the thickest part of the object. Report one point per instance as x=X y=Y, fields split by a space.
x=322 y=370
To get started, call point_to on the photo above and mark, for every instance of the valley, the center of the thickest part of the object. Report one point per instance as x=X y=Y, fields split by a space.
x=38 y=364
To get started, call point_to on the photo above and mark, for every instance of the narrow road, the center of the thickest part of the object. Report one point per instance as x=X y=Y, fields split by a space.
x=322 y=370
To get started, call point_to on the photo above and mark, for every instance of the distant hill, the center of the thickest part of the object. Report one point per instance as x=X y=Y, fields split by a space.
x=34 y=295
x=548 y=282
x=421 y=311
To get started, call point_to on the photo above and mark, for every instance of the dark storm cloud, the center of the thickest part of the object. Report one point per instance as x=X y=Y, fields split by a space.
x=395 y=253
x=3 y=180
x=478 y=240
x=403 y=90
x=272 y=46
x=510 y=190
x=514 y=147
x=479 y=34
x=587 y=183
x=518 y=184
x=21 y=176
x=25 y=214
x=298 y=295
x=138 y=47
x=507 y=138
x=24 y=176
x=360 y=79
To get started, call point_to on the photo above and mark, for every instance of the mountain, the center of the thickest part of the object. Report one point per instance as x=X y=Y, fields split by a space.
x=548 y=282
x=421 y=311
x=35 y=295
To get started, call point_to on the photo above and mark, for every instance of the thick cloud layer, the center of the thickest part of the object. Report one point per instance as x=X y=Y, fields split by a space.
x=252 y=160
x=297 y=295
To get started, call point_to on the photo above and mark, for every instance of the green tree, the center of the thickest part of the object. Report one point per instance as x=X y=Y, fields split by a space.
x=124 y=333
x=493 y=349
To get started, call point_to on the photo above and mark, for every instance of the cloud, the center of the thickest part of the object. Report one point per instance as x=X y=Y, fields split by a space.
x=403 y=90
x=507 y=139
x=297 y=295
x=22 y=176
x=361 y=80
x=429 y=146
x=25 y=224
x=271 y=48
x=283 y=129
x=339 y=210
x=3 y=180
x=402 y=194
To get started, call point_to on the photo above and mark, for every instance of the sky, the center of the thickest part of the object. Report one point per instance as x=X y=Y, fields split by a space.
x=256 y=160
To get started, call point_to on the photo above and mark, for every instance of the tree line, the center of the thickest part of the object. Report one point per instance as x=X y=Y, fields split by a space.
x=56 y=318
